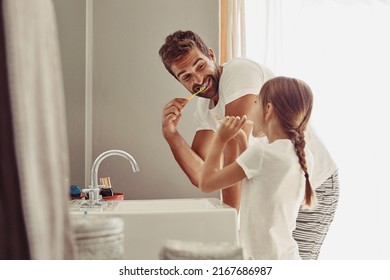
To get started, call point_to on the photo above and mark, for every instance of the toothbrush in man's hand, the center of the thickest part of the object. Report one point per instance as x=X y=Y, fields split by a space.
x=189 y=97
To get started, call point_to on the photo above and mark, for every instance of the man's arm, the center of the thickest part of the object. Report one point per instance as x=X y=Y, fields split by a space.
x=190 y=159
x=242 y=106
x=239 y=107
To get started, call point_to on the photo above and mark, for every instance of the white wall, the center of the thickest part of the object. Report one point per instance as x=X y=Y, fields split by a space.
x=130 y=88
x=71 y=16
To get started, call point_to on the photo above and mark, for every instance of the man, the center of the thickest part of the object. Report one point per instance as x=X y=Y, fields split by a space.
x=230 y=90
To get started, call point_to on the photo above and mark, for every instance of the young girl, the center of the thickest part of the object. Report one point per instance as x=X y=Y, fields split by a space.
x=276 y=173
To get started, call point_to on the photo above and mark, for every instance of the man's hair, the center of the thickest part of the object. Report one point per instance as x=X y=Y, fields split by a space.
x=178 y=45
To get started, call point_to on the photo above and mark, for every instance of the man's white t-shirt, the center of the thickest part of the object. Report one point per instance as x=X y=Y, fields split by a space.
x=239 y=77
x=270 y=199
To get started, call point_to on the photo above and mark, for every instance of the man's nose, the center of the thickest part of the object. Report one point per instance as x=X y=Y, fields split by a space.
x=197 y=79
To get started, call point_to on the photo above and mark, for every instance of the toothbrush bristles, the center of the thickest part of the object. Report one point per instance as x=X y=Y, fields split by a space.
x=247 y=121
x=200 y=89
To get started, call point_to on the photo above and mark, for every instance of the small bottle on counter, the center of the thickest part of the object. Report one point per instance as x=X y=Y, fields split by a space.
x=75 y=191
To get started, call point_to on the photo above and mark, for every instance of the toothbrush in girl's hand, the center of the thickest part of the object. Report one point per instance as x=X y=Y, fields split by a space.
x=247 y=121
x=189 y=97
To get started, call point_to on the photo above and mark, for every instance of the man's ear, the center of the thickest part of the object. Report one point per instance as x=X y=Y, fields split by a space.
x=211 y=53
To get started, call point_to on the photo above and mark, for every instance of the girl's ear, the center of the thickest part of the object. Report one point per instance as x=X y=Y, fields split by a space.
x=269 y=109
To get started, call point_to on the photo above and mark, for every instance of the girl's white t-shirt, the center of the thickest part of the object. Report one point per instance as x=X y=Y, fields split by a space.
x=270 y=199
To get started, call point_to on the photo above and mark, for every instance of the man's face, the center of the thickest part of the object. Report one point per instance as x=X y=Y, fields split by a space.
x=195 y=70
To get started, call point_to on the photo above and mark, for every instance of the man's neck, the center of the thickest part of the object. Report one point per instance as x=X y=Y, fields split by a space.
x=215 y=99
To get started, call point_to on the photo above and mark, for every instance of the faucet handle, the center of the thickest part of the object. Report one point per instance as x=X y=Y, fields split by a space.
x=93 y=194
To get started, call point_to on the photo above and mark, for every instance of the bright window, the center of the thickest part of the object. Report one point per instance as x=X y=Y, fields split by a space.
x=342 y=50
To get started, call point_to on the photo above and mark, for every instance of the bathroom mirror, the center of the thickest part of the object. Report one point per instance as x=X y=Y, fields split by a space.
x=116 y=86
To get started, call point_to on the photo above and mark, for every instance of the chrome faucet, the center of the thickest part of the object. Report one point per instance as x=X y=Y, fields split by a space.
x=93 y=190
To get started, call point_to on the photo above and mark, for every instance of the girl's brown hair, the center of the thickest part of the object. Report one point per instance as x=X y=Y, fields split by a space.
x=179 y=44
x=292 y=101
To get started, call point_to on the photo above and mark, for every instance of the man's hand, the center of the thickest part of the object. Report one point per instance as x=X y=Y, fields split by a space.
x=171 y=116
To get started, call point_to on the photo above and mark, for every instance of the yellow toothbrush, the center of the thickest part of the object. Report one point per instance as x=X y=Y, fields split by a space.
x=247 y=121
x=189 y=97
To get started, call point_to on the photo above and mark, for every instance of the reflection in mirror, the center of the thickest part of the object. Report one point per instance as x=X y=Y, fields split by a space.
x=116 y=87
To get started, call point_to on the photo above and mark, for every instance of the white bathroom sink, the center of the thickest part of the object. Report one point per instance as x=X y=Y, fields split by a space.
x=148 y=224
x=169 y=205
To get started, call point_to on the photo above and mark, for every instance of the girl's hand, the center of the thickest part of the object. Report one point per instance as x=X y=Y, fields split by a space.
x=230 y=127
